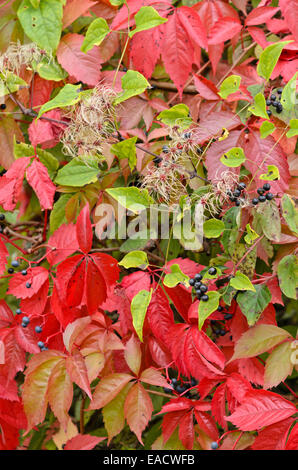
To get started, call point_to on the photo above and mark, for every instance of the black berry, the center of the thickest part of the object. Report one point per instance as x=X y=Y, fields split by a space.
x=237 y=202
x=268 y=102
x=28 y=285
x=260 y=191
x=262 y=198
x=255 y=201
x=40 y=344
x=241 y=186
x=269 y=112
x=2 y=216
x=273 y=97
x=26 y=320
x=228 y=316
x=165 y=149
x=10 y=270
x=15 y=263
x=38 y=329
x=220 y=308
x=237 y=193
x=198 y=277
x=24 y=272
x=269 y=196
x=18 y=311
x=203 y=288
x=266 y=187
x=198 y=284
x=279 y=91
x=205 y=298
x=3 y=106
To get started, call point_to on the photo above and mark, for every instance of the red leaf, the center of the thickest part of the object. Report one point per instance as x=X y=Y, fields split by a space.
x=169 y=424
x=120 y=20
x=160 y=316
x=76 y=285
x=83 y=442
x=95 y=288
x=6 y=315
x=206 y=88
x=108 y=267
x=12 y=182
x=264 y=152
x=146 y=47
x=225 y=28
x=292 y=443
x=62 y=243
x=3 y=256
x=289 y=9
x=216 y=150
x=107 y=389
x=84 y=230
x=153 y=377
x=260 y=15
x=74 y=9
x=177 y=404
x=207 y=424
x=270 y=437
x=261 y=408
x=238 y=386
x=186 y=430
x=177 y=52
x=213 y=124
x=38 y=177
x=36 y=277
x=193 y=26
x=84 y=67
x=218 y=405
x=76 y=368
x=138 y=409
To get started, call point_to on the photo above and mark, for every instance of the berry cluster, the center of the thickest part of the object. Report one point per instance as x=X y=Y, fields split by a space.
x=234 y=196
x=199 y=287
x=38 y=329
x=217 y=326
x=274 y=101
x=182 y=387
x=262 y=197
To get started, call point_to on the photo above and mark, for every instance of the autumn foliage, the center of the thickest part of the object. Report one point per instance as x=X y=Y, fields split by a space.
x=143 y=341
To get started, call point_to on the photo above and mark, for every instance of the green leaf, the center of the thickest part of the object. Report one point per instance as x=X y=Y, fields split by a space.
x=288 y=96
x=177 y=115
x=50 y=70
x=293 y=128
x=213 y=228
x=126 y=149
x=78 y=173
x=233 y=157
x=278 y=365
x=135 y=259
x=268 y=217
x=42 y=25
x=95 y=34
x=259 y=106
x=252 y=304
x=9 y=83
x=269 y=58
x=289 y=212
x=206 y=308
x=139 y=306
x=271 y=175
x=57 y=216
x=175 y=277
x=113 y=413
x=131 y=198
x=229 y=85
x=258 y=340
x=251 y=235
x=241 y=282
x=287 y=272
x=146 y=18
x=266 y=129
x=67 y=96
x=133 y=83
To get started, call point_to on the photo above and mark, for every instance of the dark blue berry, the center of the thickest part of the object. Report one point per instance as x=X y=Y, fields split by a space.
x=214 y=445
x=38 y=329
x=279 y=91
x=203 y=288
x=18 y=311
x=237 y=193
x=15 y=263
x=262 y=198
x=40 y=344
x=165 y=149
x=241 y=186
x=269 y=112
x=191 y=282
x=198 y=277
x=205 y=298
x=266 y=187
x=26 y=320
x=28 y=285
x=10 y=270
x=220 y=308
x=212 y=271
x=24 y=325
x=269 y=196
x=273 y=97
x=255 y=201
x=260 y=191
x=181 y=388
x=2 y=217
x=222 y=332
x=198 y=284
x=24 y=272
x=268 y=102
